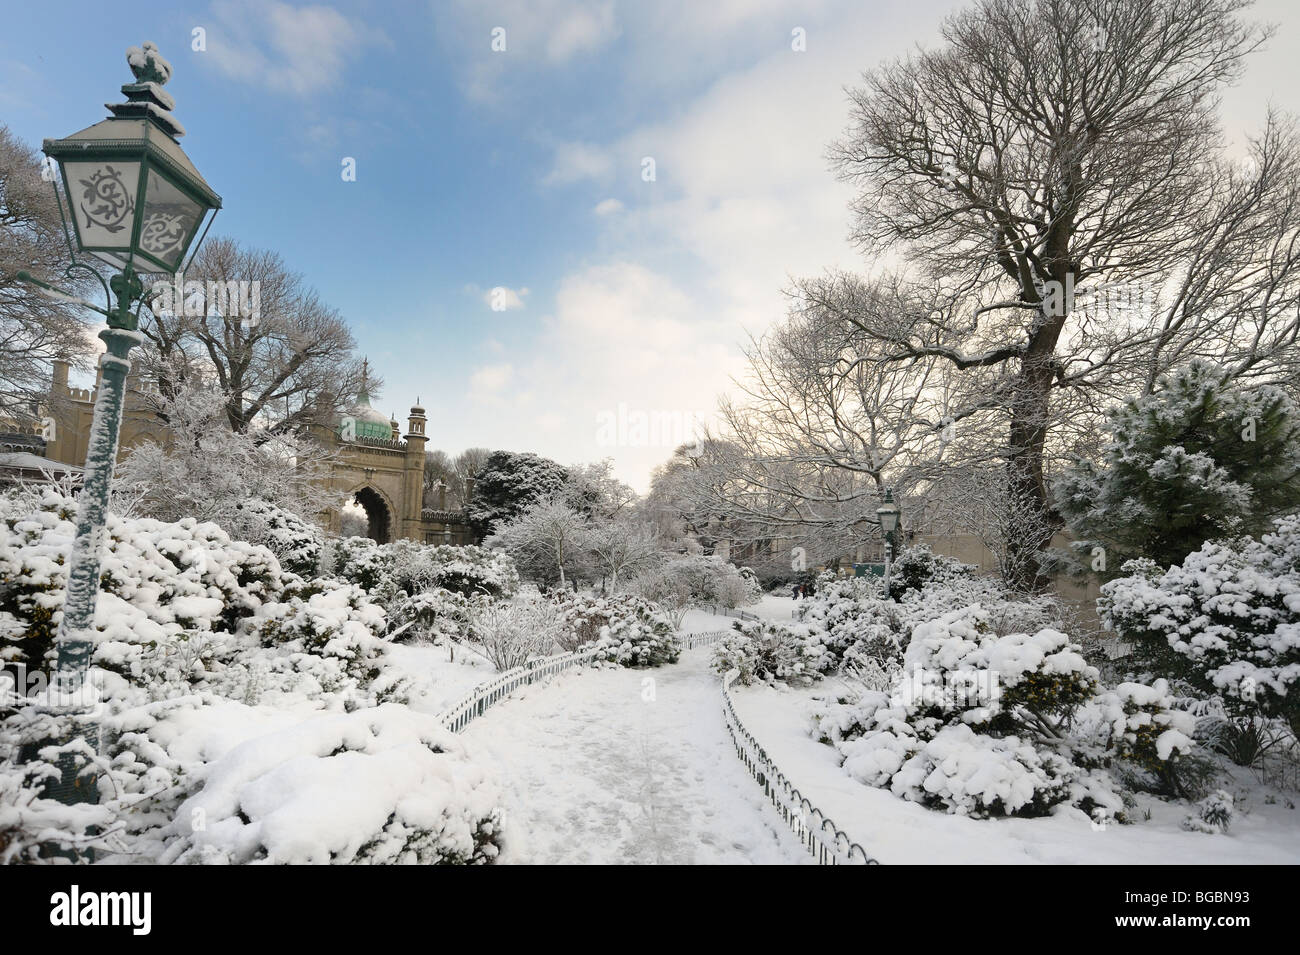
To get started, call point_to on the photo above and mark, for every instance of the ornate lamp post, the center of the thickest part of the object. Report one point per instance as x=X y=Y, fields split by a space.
x=887 y=514
x=136 y=202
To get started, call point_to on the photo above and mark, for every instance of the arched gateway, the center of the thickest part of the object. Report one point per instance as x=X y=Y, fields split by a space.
x=380 y=468
x=384 y=472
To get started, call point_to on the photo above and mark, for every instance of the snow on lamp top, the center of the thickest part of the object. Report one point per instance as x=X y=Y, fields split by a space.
x=147 y=64
x=146 y=95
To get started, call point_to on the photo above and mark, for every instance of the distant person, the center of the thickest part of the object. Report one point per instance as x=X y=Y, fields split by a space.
x=795 y=591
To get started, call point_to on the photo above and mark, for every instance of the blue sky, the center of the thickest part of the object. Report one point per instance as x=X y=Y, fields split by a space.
x=522 y=170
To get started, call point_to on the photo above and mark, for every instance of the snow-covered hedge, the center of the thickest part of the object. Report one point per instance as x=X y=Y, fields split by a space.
x=982 y=724
x=770 y=652
x=407 y=567
x=206 y=648
x=635 y=633
x=1227 y=618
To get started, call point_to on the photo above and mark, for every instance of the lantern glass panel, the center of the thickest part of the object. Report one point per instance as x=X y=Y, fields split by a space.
x=102 y=197
x=170 y=221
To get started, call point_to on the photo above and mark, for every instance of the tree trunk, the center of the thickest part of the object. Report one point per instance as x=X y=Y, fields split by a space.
x=1026 y=484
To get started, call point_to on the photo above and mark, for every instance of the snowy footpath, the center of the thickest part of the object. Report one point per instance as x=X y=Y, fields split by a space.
x=615 y=765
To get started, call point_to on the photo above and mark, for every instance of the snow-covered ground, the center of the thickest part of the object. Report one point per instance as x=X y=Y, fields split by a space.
x=617 y=765
x=894 y=831
x=775 y=607
x=439 y=682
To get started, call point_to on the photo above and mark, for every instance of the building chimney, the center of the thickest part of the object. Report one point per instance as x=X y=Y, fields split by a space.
x=60 y=382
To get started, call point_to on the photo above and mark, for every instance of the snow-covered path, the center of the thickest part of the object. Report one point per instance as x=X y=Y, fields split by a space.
x=627 y=766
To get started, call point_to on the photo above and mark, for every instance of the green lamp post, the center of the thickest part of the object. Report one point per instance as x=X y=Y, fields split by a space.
x=136 y=203
x=887 y=515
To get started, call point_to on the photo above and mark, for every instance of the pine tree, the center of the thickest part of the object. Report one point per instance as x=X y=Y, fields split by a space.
x=1199 y=459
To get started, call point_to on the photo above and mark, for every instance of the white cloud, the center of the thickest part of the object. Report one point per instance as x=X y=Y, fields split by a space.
x=622 y=341
x=539 y=34
x=682 y=267
x=487 y=380
x=579 y=30
x=574 y=162
x=283 y=48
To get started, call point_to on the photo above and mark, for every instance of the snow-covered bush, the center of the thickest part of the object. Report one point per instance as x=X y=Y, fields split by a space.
x=918 y=568
x=962 y=771
x=513 y=631
x=982 y=724
x=1144 y=726
x=386 y=571
x=868 y=632
x=771 y=652
x=1227 y=618
x=627 y=629
x=382 y=785
x=430 y=615
x=333 y=629
x=639 y=635
x=1007 y=612
x=294 y=541
x=1213 y=814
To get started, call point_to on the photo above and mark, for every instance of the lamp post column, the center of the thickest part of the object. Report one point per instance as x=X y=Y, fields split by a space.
x=75 y=647
x=889 y=559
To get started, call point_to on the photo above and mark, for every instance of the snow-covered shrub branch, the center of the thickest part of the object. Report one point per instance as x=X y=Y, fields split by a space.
x=1227 y=618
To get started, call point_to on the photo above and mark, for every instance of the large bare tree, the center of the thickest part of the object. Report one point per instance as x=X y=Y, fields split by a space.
x=1047 y=153
x=286 y=367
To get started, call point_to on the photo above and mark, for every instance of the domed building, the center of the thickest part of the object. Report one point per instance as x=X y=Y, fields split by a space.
x=375 y=464
x=382 y=470
x=361 y=421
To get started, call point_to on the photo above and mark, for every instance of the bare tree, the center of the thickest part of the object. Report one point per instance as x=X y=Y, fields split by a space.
x=1050 y=150
x=34 y=330
x=620 y=547
x=544 y=540
x=289 y=366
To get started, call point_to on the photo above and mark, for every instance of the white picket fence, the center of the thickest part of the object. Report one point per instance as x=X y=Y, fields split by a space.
x=819 y=834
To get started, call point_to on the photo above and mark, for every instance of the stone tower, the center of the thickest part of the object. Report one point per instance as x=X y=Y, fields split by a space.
x=416 y=439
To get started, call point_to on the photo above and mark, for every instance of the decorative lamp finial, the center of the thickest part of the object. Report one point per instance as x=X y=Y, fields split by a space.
x=146 y=96
x=148 y=65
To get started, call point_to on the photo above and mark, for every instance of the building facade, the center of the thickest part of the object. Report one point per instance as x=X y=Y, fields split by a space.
x=373 y=463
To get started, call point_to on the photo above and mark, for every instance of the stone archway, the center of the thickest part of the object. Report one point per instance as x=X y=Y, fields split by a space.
x=379 y=516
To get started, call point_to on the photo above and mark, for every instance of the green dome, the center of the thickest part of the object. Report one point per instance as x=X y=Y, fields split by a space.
x=365 y=421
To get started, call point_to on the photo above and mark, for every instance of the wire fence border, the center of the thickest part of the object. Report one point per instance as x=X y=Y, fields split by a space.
x=828 y=844
x=486 y=695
